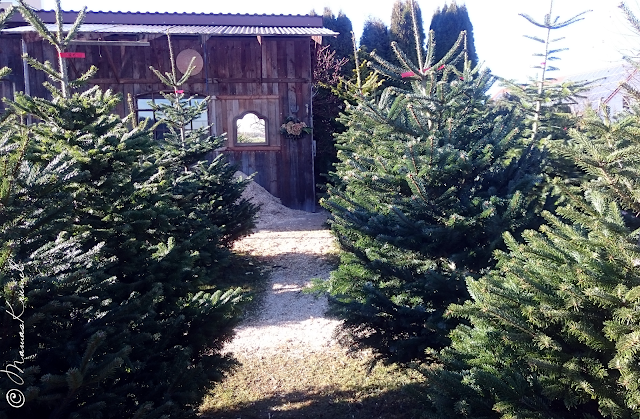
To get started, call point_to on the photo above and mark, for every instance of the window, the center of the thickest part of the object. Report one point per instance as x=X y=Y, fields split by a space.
x=146 y=111
x=251 y=129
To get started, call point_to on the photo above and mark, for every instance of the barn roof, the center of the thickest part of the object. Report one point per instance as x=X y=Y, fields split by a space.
x=184 y=20
x=218 y=30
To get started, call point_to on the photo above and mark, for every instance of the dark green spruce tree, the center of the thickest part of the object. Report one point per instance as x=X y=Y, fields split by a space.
x=430 y=177
x=124 y=311
x=375 y=37
x=447 y=23
x=341 y=44
x=402 y=30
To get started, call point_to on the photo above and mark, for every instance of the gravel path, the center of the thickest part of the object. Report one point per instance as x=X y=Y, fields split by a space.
x=295 y=244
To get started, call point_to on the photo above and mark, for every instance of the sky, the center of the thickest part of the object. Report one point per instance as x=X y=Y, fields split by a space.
x=602 y=39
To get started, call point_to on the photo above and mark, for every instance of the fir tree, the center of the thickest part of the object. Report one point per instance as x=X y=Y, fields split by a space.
x=125 y=308
x=553 y=329
x=206 y=190
x=429 y=179
x=546 y=102
x=447 y=23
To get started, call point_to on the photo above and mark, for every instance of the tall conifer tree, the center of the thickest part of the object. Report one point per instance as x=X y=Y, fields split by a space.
x=553 y=330
x=402 y=31
x=427 y=184
x=447 y=23
x=375 y=37
x=341 y=44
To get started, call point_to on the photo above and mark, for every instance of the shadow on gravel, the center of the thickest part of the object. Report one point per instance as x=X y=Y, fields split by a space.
x=278 y=282
x=401 y=403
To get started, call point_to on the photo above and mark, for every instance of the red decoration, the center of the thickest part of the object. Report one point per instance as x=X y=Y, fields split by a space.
x=179 y=91
x=441 y=67
x=71 y=55
x=411 y=73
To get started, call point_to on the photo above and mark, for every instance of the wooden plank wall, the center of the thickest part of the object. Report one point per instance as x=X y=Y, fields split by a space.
x=268 y=75
x=10 y=56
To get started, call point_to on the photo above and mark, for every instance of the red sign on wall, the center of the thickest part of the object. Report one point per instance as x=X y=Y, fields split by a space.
x=72 y=54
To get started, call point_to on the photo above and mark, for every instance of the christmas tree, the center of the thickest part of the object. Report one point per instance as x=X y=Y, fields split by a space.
x=124 y=313
x=554 y=328
x=545 y=100
x=429 y=178
x=203 y=185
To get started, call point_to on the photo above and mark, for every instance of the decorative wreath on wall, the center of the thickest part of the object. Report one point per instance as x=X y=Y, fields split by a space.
x=294 y=128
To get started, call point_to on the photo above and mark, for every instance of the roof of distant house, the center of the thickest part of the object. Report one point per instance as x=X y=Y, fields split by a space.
x=606 y=84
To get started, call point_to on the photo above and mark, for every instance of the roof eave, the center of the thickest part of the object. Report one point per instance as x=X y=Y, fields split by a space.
x=48 y=16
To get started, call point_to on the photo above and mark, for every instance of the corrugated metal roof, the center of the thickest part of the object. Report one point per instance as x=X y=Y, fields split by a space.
x=162 y=18
x=216 y=30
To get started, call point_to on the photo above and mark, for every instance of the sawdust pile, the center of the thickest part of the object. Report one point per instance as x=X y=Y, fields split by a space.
x=272 y=212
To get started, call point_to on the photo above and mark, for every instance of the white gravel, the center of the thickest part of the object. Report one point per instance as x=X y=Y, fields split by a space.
x=295 y=244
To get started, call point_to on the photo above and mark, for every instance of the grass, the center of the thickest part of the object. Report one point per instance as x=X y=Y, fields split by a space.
x=318 y=385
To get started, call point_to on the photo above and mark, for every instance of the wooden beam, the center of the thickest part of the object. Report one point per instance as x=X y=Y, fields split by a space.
x=111 y=43
x=262 y=80
x=112 y=65
x=193 y=81
x=130 y=81
x=241 y=97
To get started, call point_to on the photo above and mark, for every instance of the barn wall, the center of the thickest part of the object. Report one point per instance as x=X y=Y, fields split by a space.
x=268 y=75
x=10 y=56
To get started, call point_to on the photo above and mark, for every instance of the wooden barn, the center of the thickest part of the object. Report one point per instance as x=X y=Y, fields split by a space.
x=256 y=68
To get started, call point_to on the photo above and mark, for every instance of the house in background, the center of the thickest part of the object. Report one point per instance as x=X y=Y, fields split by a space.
x=606 y=88
x=257 y=69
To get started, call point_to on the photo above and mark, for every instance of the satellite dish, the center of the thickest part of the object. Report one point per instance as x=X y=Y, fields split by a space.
x=184 y=58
